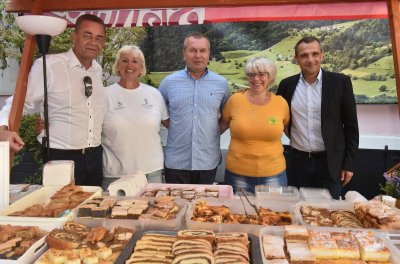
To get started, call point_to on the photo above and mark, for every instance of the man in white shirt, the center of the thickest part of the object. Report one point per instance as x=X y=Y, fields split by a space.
x=76 y=102
x=323 y=129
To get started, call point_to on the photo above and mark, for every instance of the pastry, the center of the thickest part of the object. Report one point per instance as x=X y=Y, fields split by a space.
x=347 y=245
x=76 y=228
x=61 y=239
x=85 y=210
x=295 y=233
x=322 y=245
x=232 y=237
x=197 y=234
x=371 y=247
x=273 y=247
x=300 y=253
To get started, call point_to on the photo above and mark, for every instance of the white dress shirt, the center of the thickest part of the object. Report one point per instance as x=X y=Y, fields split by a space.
x=75 y=121
x=305 y=134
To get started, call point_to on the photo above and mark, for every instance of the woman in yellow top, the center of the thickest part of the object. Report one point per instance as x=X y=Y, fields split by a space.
x=257 y=119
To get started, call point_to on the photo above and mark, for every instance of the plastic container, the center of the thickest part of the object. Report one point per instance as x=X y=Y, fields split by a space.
x=173 y=224
x=330 y=205
x=254 y=247
x=286 y=193
x=236 y=206
x=315 y=194
x=90 y=225
x=280 y=231
x=41 y=196
x=32 y=254
x=224 y=191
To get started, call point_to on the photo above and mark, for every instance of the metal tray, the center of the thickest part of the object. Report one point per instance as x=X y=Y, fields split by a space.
x=255 y=249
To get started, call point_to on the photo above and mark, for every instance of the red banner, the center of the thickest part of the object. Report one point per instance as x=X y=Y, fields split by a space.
x=190 y=16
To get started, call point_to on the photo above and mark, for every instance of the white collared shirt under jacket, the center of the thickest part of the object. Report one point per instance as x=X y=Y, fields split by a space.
x=306 y=133
x=75 y=121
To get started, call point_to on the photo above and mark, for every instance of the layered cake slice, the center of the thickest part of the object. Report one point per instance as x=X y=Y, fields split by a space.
x=273 y=247
x=322 y=245
x=296 y=233
x=347 y=245
x=300 y=253
x=371 y=247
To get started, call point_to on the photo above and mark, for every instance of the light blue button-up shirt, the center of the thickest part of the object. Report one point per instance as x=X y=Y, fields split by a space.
x=194 y=108
x=306 y=133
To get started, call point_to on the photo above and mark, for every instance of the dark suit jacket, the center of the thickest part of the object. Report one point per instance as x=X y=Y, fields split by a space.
x=338 y=119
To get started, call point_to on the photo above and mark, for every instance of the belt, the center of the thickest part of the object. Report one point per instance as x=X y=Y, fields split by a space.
x=78 y=151
x=310 y=155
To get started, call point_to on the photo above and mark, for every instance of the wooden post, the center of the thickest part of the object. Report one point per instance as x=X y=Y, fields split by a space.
x=394 y=22
x=22 y=79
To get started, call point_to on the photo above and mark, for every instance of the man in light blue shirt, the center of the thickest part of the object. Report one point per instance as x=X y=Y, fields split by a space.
x=195 y=97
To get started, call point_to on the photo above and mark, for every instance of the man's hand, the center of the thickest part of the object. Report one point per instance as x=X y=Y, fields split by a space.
x=16 y=143
x=346 y=177
x=40 y=125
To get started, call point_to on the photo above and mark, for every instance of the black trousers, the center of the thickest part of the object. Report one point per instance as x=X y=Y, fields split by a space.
x=88 y=170
x=190 y=176
x=305 y=170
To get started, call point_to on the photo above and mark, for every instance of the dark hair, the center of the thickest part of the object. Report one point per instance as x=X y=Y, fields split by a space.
x=196 y=35
x=307 y=40
x=89 y=17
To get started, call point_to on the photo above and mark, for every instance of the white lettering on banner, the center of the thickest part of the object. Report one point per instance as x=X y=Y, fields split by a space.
x=142 y=17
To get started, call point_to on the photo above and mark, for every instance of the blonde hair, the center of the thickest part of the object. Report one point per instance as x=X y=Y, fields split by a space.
x=135 y=52
x=260 y=64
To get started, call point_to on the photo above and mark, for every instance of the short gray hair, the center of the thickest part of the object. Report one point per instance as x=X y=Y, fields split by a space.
x=261 y=64
x=136 y=52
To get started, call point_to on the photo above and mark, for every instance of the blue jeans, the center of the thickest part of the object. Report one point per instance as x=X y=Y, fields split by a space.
x=248 y=183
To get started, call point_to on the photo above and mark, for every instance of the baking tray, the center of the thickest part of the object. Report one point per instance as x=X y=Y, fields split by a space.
x=224 y=191
x=173 y=224
x=254 y=250
x=236 y=206
x=280 y=231
x=40 y=196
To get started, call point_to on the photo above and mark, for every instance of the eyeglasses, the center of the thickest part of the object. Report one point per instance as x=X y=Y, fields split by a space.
x=260 y=74
x=87 y=81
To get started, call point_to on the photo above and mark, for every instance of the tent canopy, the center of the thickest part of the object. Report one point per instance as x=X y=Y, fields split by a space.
x=57 y=5
x=41 y=6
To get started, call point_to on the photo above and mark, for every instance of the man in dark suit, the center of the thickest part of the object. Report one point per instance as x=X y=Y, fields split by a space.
x=323 y=130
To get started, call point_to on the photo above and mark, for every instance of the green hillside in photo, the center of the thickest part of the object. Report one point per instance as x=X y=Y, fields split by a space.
x=359 y=48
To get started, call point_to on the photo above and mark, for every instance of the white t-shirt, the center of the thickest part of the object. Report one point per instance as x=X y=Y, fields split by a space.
x=130 y=130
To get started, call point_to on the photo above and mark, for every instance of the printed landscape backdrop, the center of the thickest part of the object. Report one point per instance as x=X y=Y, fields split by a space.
x=355 y=37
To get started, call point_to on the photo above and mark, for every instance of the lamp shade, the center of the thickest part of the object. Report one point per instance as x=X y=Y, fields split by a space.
x=41 y=25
